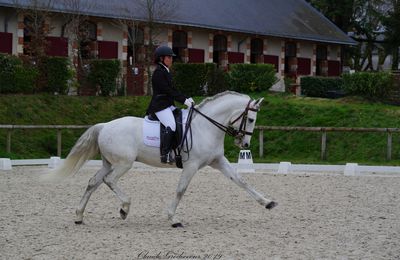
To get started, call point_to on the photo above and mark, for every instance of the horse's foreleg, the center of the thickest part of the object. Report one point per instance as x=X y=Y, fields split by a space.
x=111 y=181
x=93 y=184
x=186 y=177
x=225 y=167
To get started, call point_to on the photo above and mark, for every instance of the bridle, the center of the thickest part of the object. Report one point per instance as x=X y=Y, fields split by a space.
x=230 y=130
x=238 y=134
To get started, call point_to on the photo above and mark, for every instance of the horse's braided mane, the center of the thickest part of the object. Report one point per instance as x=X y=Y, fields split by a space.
x=222 y=94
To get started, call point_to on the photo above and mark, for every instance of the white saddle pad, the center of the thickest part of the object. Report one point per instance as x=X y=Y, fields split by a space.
x=151 y=130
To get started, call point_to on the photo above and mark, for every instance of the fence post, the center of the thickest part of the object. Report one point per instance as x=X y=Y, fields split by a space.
x=8 y=149
x=59 y=142
x=323 y=146
x=389 y=146
x=261 y=141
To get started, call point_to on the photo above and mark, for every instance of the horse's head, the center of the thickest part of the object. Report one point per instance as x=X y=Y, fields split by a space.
x=244 y=124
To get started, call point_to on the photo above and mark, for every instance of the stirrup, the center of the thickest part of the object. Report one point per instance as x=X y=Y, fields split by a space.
x=167 y=158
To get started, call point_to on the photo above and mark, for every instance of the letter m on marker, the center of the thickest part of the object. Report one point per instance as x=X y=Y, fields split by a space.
x=248 y=155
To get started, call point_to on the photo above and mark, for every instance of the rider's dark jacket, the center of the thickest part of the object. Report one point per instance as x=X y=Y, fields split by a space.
x=164 y=94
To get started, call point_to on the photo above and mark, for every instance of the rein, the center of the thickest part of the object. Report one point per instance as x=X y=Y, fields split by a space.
x=229 y=129
x=236 y=133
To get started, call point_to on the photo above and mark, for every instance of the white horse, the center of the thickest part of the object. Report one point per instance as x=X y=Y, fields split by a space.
x=120 y=143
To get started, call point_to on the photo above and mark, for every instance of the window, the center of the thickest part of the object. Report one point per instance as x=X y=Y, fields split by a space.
x=304 y=66
x=290 y=49
x=88 y=30
x=135 y=45
x=88 y=35
x=108 y=50
x=6 y=24
x=5 y=42
x=136 y=36
x=322 y=64
x=179 y=44
x=220 y=47
x=256 y=50
x=271 y=59
x=57 y=46
x=34 y=35
x=220 y=43
x=322 y=52
x=196 y=56
x=235 y=57
x=290 y=58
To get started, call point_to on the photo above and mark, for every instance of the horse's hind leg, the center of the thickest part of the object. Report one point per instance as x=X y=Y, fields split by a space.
x=111 y=181
x=225 y=167
x=94 y=183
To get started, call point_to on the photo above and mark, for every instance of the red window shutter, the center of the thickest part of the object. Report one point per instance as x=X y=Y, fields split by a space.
x=303 y=66
x=6 y=42
x=333 y=68
x=196 y=56
x=271 y=59
x=108 y=50
x=235 y=57
x=57 y=46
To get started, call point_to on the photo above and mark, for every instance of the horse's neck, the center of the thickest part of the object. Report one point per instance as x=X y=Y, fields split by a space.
x=224 y=108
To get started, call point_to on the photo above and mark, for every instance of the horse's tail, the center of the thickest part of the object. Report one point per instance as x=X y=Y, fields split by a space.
x=85 y=148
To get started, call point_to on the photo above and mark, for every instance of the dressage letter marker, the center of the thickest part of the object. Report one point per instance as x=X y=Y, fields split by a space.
x=245 y=161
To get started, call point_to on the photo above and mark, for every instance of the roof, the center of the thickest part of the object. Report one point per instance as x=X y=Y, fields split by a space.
x=294 y=19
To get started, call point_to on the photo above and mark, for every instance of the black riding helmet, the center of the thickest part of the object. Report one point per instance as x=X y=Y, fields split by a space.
x=163 y=51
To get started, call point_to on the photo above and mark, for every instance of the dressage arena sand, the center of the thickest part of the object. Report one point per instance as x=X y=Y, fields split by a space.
x=318 y=217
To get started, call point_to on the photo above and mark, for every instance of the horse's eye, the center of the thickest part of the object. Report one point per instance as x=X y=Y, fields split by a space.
x=251 y=120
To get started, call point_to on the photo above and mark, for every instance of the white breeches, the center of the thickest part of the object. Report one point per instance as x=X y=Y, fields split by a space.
x=167 y=118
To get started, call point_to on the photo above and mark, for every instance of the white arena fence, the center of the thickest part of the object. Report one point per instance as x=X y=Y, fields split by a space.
x=350 y=169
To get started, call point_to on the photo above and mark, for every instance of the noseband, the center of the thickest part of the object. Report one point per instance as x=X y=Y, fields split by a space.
x=241 y=132
x=230 y=130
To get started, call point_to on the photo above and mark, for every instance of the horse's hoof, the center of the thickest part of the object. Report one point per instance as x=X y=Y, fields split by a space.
x=123 y=213
x=78 y=222
x=271 y=205
x=177 y=225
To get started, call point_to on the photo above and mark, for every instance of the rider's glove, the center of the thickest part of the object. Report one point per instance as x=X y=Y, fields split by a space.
x=189 y=102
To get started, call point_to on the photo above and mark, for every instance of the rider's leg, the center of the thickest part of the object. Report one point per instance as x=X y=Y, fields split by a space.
x=166 y=117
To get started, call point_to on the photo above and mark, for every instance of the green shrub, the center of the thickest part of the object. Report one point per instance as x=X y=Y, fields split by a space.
x=320 y=86
x=57 y=73
x=104 y=73
x=199 y=79
x=25 y=79
x=372 y=85
x=251 y=77
x=15 y=77
x=217 y=81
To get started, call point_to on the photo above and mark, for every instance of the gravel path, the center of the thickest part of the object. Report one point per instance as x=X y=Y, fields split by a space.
x=318 y=217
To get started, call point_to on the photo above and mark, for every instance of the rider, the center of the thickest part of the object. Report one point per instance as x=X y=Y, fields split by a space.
x=164 y=95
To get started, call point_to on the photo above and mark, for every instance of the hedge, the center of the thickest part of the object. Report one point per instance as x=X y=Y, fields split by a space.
x=372 y=85
x=251 y=77
x=57 y=73
x=320 y=86
x=104 y=73
x=15 y=77
x=198 y=79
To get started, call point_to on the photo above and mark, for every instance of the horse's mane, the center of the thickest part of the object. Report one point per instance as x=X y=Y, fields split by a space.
x=222 y=94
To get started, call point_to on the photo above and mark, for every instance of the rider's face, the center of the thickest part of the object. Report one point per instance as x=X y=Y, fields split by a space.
x=168 y=61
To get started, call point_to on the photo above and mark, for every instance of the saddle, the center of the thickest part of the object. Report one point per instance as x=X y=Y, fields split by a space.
x=150 y=137
x=179 y=129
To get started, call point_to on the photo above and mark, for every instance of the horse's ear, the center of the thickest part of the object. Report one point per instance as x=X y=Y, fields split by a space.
x=257 y=103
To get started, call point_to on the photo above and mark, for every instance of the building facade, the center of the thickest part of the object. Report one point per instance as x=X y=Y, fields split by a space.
x=289 y=34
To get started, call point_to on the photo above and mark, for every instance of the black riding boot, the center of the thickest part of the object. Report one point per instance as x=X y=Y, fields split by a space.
x=168 y=137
